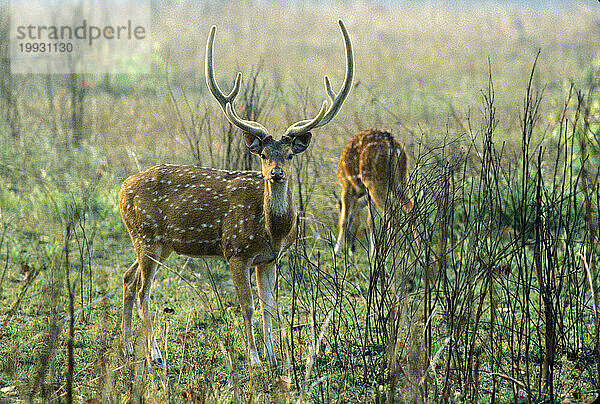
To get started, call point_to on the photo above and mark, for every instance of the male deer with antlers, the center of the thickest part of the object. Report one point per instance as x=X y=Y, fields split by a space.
x=373 y=164
x=246 y=217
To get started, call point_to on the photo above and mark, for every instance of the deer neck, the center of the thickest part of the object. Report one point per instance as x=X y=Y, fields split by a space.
x=279 y=209
x=277 y=198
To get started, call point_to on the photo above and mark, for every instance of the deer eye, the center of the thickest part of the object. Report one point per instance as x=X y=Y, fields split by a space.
x=263 y=156
x=290 y=156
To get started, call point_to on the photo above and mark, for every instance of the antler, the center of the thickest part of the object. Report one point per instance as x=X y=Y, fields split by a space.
x=226 y=101
x=323 y=117
x=336 y=99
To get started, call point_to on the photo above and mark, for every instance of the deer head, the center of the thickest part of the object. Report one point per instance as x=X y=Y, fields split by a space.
x=276 y=154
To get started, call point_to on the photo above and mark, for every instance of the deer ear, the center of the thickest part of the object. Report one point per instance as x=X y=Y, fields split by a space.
x=253 y=143
x=300 y=143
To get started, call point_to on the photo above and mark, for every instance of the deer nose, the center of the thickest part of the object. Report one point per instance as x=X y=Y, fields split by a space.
x=277 y=174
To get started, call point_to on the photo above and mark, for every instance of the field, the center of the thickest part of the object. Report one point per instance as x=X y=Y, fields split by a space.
x=499 y=110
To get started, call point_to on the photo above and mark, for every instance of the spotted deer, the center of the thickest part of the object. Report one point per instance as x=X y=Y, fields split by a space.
x=373 y=164
x=246 y=217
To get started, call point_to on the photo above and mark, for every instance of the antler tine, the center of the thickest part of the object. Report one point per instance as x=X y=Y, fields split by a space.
x=336 y=99
x=346 y=86
x=226 y=101
x=251 y=127
x=330 y=92
x=209 y=72
x=296 y=129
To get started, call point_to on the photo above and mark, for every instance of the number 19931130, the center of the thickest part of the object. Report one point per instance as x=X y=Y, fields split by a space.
x=46 y=47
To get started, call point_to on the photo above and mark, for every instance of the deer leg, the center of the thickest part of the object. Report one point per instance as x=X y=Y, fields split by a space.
x=148 y=266
x=346 y=220
x=391 y=226
x=361 y=202
x=353 y=230
x=371 y=227
x=378 y=198
x=130 y=285
x=266 y=274
x=241 y=280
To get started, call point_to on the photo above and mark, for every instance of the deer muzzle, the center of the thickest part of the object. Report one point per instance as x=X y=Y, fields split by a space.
x=277 y=174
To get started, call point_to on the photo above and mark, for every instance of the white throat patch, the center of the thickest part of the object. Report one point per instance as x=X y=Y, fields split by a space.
x=279 y=198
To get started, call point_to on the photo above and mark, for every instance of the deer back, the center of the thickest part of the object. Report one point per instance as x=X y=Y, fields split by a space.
x=369 y=157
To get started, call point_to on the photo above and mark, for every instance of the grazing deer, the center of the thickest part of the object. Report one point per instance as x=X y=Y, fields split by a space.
x=373 y=164
x=246 y=217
